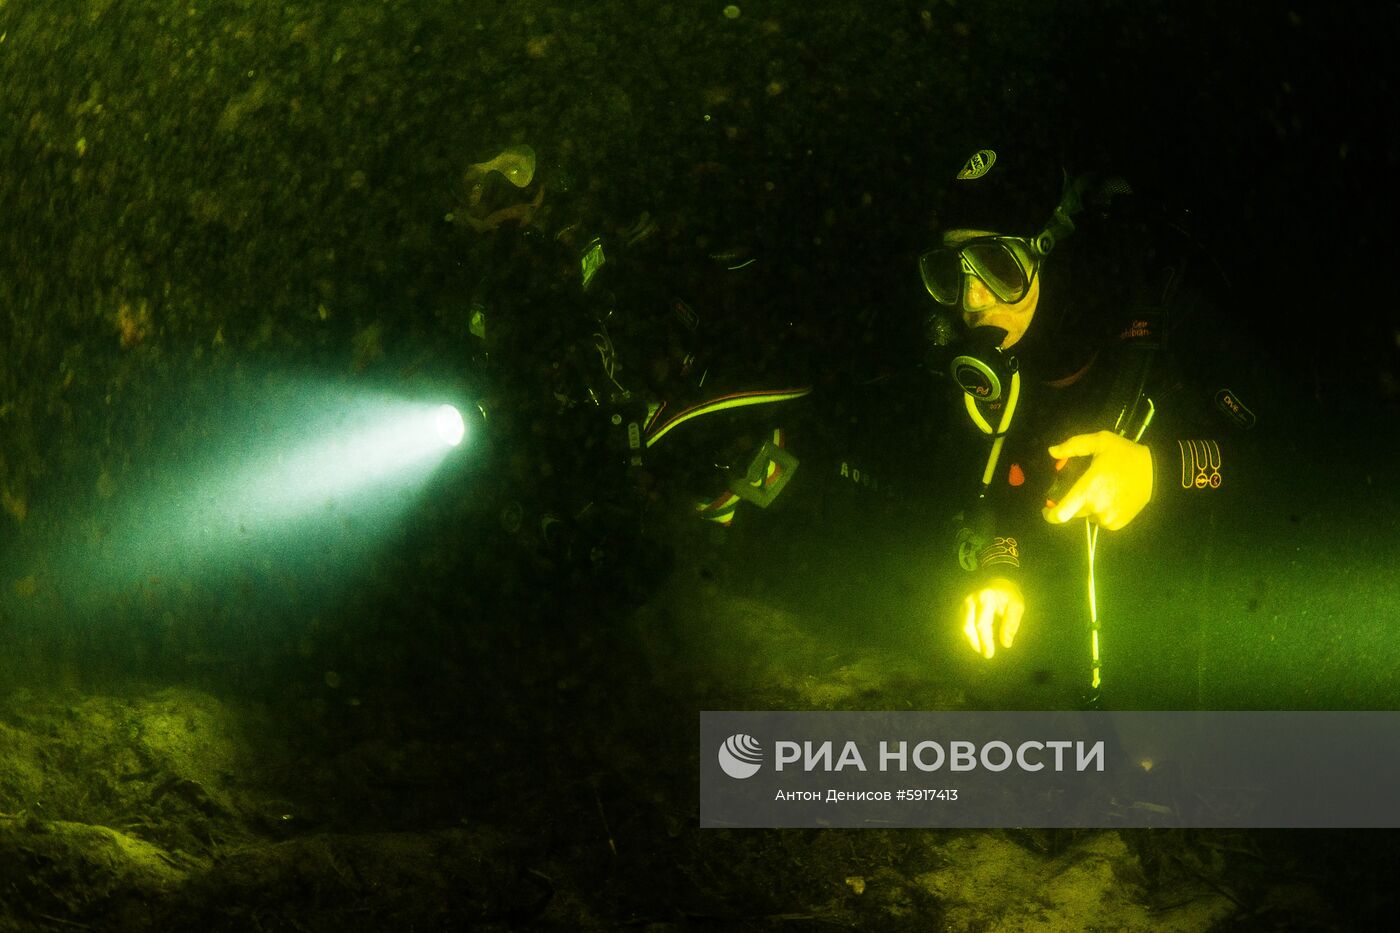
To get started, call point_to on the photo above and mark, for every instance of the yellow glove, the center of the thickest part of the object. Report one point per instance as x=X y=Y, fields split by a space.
x=995 y=608
x=1115 y=487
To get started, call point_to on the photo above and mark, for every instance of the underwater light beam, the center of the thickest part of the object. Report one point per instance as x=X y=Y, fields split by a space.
x=371 y=448
x=286 y=477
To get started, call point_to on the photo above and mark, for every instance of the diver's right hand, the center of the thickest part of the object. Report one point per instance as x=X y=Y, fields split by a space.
x=993 y=613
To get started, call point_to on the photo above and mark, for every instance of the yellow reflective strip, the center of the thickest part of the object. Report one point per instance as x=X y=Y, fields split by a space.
x=1151 y=410
x=977 y=418
x=723 y=404
x=724 y=499
x=1011 y=401
x=992 y=461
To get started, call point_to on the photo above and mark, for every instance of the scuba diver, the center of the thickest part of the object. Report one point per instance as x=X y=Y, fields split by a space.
x=1055 y=325
x=1058 y=305
x=595 y=331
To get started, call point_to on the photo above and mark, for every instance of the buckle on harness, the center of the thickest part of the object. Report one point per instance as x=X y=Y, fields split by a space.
x=766 y=476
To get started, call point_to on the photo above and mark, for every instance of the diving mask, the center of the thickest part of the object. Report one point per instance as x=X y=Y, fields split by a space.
x=1005 y=264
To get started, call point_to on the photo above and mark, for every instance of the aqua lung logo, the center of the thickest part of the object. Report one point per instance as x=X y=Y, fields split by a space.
x=741 y=756
x=857 y=475
x=978 y=165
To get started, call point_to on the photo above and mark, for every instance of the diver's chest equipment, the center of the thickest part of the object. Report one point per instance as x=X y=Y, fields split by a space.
x=980 y=367
x=988 y=376
x=1001 y=383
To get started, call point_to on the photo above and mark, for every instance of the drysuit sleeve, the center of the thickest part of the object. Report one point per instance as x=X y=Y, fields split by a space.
x=987 y=547
x=1200 y=435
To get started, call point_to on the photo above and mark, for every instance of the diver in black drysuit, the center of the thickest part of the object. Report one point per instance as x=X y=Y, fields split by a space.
x=1120 y=354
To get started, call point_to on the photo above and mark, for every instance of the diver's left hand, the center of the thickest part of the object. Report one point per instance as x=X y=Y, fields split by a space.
x=1115 y=487
x=995 y=608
